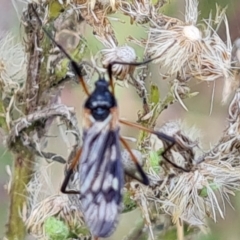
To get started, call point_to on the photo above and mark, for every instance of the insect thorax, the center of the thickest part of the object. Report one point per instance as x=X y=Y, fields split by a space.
x=101 y=101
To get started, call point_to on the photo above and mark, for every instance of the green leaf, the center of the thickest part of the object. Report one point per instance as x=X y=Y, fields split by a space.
x=55 y=229
x=55 y=8
x=154 y=94
x=154 y=160
x=204 y=192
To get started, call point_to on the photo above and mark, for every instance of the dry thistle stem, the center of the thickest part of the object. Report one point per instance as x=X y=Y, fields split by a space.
x=203 y=181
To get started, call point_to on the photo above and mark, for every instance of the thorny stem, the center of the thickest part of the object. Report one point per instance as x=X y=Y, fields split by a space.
x=23 y=169
x=24 y=158
x=36 y=96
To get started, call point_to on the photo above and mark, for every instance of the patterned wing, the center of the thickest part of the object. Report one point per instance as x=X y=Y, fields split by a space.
x=101 y=179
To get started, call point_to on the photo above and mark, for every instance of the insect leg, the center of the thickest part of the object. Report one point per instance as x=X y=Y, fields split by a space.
x=161 y=136
x=75 y=66
x=139 y=168
x=109 y=69
x=172 y=163
x=69 y=174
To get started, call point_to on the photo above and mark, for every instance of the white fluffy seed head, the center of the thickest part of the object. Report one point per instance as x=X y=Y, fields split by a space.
x=172 y=128
x=192 y=33
x=124 y=54
x=175 y=47
x=183 y=48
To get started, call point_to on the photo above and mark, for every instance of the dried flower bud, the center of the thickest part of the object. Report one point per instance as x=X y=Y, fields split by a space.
x=185 y=152
x=175 y=46
x=124 y=54
x=128 y=164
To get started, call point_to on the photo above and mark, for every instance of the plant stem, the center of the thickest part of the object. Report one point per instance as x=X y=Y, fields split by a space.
x=24 y=159
x=36 y=95
x=23 y=169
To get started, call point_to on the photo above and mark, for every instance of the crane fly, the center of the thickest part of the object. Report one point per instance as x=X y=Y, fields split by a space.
x=101 y=173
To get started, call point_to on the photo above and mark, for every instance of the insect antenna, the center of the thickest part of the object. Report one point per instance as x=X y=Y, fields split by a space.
x=111 y=64
x=75 y=66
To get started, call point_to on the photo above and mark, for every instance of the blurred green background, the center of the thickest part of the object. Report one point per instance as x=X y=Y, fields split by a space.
x=211 y=125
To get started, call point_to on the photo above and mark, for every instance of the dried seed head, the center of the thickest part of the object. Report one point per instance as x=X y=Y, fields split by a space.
x=214 y=62
x=201 y=193
x=44 y=204
x=228 y=147
x=57 y=206
x=179 y=129
x=175 y=47
x=120 y=54
x=185 y=152
x=183 y=48
x=12 y=63
x=232 y=83
x=176 y=43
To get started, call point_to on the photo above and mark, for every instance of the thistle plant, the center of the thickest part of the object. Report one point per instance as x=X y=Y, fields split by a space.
x=188 y=184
